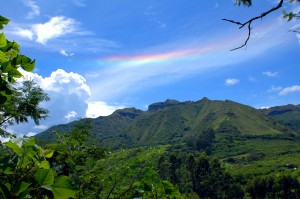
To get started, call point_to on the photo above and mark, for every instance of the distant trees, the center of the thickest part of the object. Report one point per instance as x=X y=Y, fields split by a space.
x=284 y=185
x=201 y=175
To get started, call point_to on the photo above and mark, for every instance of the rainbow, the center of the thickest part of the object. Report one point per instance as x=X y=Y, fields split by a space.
x=225 y=44
x=158 y=57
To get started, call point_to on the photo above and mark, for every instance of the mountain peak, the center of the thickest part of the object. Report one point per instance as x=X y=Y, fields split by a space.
x=160 y=105
x=128 y=112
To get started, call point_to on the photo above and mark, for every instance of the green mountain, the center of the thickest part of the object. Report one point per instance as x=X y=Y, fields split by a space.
x=288 y=115
x=173 y=122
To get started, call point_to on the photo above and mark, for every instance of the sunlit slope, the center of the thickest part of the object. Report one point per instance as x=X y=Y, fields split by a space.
x=288 y=115
x=177 y=122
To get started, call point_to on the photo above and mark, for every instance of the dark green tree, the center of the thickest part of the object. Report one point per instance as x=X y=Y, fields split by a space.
x=24 y=104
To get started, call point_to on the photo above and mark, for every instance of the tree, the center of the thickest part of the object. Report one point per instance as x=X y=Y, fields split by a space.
x=24 y=104
x=10 y=61
x=17 y=104
x=289 y=16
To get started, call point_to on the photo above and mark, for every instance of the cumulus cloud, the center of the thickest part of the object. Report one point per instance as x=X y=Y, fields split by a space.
x=292 y=89
x=231 y=81
x=42 y=32
x=68 y=94
x=35 y=10
x=100 y=108
x=270 y=74
x=61 y=82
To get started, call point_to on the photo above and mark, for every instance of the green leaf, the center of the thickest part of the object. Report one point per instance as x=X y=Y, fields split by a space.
x=8 y=171
x=29 y=66
x=6 y=66
x=43 y=164
x=13 y=72
x=14 y=147
x=3 y=99
x=20 y=187
x=26 y=63
x=4 y=192
x=45 y=177
x=48 y=153
x=29 y=142
x=3 y=40
x=3 y=57
x=3 y=20
x=63 y=188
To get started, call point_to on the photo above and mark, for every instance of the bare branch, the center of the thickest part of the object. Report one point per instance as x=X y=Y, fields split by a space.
x=241 y=25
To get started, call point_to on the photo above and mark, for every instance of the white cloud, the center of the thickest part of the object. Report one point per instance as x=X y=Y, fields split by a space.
x=30 y=134
x=42 y=32
x=41 y=127
x=25 y=33
x=100 y=108
x=55 y=27
x=265 y=107
x=62 y=82
x=231 y=81
x=291 y=89
x=71 y=115
x=64 y=53
x=35 y=10
x=270 y=74
x=275 y=89
x=67 y=91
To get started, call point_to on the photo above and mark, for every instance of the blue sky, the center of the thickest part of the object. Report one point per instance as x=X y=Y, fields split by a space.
x=95 y=56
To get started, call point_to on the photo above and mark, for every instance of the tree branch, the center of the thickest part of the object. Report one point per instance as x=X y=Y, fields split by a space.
x=241 y=25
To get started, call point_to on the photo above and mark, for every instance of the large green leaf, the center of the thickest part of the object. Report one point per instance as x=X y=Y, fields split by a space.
x=3 y=57
x=63 y=188
x=14 y=147
x=45 y=177
x=43 y=164
x=20 y=187
x=26 y=63
x=3 y=20
x=29 y=66
x=3 y=41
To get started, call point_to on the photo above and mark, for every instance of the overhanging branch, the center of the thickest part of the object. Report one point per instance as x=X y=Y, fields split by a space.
x=248 y=23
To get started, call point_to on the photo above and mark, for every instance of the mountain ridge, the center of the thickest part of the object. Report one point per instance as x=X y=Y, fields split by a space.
x=173 y=122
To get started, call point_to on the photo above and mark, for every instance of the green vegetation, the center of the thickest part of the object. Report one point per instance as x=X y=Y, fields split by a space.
x=182 y=150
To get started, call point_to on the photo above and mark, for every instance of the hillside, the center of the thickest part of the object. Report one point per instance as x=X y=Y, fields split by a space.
x=288 y=115
x=173 y=122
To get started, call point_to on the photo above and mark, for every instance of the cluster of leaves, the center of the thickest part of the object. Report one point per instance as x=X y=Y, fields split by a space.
x=10 y=61
x=25 y=172
x=76 y=156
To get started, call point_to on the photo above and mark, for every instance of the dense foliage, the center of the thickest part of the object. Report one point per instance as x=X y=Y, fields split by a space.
x=250 y=154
